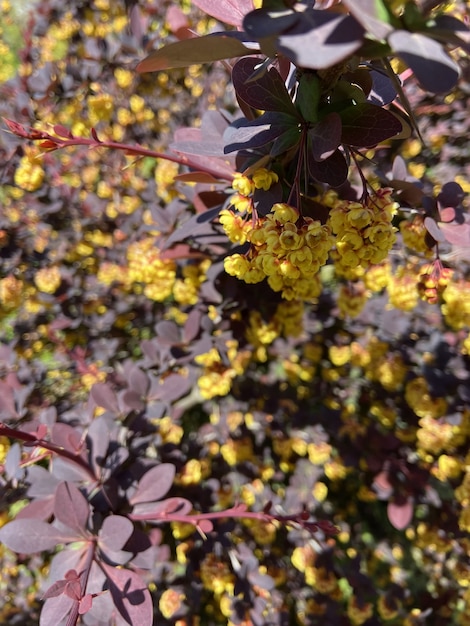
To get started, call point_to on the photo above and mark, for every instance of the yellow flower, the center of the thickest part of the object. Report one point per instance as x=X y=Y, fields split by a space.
x=170 y=602
x=48 y=279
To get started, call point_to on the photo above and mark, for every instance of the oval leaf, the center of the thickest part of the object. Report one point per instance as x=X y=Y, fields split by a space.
x=130 y=595
x=28 y=536
x=433 y=229
x=432 y=66
x=115 y=532
x=365 y=125
x=213 y=47
x=71 y=507
x=154 y=484
x=400 y=515
x=105 y=397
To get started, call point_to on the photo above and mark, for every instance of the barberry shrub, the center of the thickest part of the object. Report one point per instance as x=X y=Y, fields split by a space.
x=234 y=362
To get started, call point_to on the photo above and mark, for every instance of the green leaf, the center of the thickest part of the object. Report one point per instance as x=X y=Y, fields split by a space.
x=213 y=47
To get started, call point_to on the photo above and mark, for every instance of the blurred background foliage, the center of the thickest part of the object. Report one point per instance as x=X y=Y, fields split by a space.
x=355 y=406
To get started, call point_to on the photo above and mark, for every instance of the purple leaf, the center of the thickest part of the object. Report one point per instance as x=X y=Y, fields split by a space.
x=7 y=401
x=130 y=595
x=115 y=532
x=227 y=11
x=213 y=47
x=67 y=437
x=333 y=170
x=433 y=229
x=71 y=507
x=55 y=610
x=55 y=590
x=265 y=91
x=262 y=24
x=372 y=14
x=139 y=381
x=400 y=515
x=321 y=39
x=28 y=536
x=105 y=397
x=433 y=67
x=154 y=484
x=365 y=125
x=451 y=195
x=258 y=132
x=192 y=326
x=325 y=136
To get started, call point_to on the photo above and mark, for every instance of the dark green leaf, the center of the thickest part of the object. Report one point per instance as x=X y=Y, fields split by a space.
x=286 y=141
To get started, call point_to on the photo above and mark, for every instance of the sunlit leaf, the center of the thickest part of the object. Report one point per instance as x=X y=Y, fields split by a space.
x=435 y=70
x=28 y=536
x=373 y=15
x=213 y=47
x=400 y=515
x=227 y=11
x=154 y=484
x=71 y=507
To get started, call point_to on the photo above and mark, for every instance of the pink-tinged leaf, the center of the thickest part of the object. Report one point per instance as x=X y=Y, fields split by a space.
x=197 y=177
x=227 y=11
x=55 y=590
x=105 y=397
x=139 y=23
x=71 y=507
x=326 y=137
x=115 y=532
x=27 y=536
x=456 y=234
x=62 y=131
x=447 y=214
x=433 y=229
x=139 y=381
x=85 y=604
x=55 y=610
x=206 y=49
x=435 y=70
x=400 y=515
x=130 y=595
x=154 y=484
x=178 y=23
x=265 y=91
x=205 y=526
x=159 y=511
x=365 y=125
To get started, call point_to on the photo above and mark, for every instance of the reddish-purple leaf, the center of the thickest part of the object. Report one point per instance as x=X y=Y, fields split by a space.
x=67 y=437
x=28 y=536
x=115 y=532
x=325 y=136
x=55 y=590
x=433 y=229
x=447 y=215
x=139 y=381
x=62 y=131
x=159 y=511
x=400 y=515
x=333 y=170
x=71 y=507
x=265 y=91
x=130 y=595
x=55 y=610
x=213 y=47
x=105 y=397
x=435 y=70
x=85 y=604
x=365 y=125
x=227 y=11
x=154 y=484
x=205 y=526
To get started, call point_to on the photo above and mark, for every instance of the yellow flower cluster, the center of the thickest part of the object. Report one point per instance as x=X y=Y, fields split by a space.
x=11 y=292
x=285 y=249
x=146 y=266
x=456 y=306
x=418 y=398
x=48 y=279
x=29 y=175
x=216 y=379
x=364 y=231
x=413 y=233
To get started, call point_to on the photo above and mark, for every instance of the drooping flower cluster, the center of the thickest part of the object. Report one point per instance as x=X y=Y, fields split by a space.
x=364 y=231
x=286 y=249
